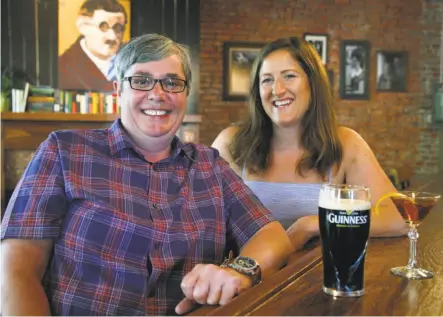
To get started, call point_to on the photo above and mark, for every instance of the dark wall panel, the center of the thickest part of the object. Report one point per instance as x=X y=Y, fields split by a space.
x=48 y=42
x=18 y=38
x=24 y=41
x=6 y=57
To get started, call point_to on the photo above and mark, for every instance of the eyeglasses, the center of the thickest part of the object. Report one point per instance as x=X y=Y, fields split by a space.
x=118 y=28
x=169 y=84
x=105 y=27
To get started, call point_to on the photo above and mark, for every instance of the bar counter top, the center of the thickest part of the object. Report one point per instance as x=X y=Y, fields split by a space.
x=297 y=288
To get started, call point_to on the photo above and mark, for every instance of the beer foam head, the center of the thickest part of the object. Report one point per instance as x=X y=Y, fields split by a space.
x=344 y=204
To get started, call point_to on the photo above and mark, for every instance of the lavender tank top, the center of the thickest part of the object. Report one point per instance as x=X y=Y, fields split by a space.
x=287 y=201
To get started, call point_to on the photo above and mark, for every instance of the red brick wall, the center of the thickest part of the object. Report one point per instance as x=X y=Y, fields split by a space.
x=394 y=124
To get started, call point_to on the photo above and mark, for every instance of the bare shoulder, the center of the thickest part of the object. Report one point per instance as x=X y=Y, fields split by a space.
x=221 y=143
x=226 y=135
x=352 y=142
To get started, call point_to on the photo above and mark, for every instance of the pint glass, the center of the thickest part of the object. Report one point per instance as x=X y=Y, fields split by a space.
x=344 y=219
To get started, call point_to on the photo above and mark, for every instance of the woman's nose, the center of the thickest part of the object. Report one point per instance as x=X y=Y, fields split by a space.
x=278 y=88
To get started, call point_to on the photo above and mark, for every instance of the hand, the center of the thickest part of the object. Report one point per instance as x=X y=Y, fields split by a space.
x=302 y=231
x=212 y=285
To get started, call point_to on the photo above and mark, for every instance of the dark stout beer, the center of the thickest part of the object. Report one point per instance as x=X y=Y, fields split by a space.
x=344 y=231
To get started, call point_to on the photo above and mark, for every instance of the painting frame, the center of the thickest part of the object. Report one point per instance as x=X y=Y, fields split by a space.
x=320 y=42
x=396 y=63
x=238 y=58
x=355 y=69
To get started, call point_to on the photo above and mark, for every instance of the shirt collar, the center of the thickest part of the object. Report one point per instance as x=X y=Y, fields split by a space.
x=119 y=140
x=101 y=64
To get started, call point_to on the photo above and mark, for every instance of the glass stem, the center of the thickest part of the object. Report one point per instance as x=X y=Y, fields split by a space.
x=413 y=237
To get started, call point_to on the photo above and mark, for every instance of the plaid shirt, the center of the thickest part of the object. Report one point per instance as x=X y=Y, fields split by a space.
x=126 y=231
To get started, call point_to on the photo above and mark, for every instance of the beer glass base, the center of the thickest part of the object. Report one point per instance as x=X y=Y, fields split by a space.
x=334 y=292
x=412 y=273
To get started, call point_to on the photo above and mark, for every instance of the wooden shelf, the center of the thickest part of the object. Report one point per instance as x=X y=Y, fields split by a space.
x=71 y=117
x=58 y=116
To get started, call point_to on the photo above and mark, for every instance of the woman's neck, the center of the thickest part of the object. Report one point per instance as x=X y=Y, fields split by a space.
x=156 y=156
x=154 y=149
x=286 y=138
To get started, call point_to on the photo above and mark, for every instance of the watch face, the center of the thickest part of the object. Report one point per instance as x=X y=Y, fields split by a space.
x=245 y=262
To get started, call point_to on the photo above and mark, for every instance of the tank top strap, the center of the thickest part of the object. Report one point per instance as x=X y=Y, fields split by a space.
x=330 y=176
x=243 y=171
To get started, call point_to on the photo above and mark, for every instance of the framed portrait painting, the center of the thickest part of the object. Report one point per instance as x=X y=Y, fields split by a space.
x=238 y=58
x=90 y=33
x=391 y=71
x=354 y=69
x=320 y=43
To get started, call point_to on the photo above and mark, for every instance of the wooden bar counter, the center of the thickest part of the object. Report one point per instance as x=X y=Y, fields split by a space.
x=297 y=288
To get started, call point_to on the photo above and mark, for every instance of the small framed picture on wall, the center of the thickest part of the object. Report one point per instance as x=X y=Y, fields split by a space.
x=320 y=43
x=354 y=69
x=237 y=65
x=391 y=71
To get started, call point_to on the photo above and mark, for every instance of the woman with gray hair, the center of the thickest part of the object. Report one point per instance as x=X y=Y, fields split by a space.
x=130 y=220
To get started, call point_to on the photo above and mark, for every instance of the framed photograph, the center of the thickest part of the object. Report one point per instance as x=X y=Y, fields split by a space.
x=238 y=58
x=354 y=69
x=391 y=71
x=320 y=43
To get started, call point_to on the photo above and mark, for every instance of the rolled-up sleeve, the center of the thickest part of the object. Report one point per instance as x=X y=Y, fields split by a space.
x=38 y=204
x=246 y=214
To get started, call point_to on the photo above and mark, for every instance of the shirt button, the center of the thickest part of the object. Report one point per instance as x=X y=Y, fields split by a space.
x=154 y=205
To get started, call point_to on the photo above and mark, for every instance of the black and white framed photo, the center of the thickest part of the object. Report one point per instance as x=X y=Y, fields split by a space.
x=354 y=69
x=237 y=65
x=320 y=43
x=391 y=71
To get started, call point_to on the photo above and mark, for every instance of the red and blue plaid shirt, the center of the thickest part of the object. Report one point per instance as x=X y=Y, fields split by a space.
x=126 y=231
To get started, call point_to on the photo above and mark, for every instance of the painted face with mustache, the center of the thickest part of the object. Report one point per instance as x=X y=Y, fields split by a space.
x=103 y=33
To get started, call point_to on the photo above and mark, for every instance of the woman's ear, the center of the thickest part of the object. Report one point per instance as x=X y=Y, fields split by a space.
x=117 y=87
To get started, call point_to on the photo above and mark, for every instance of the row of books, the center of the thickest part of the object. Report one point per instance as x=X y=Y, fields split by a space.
x=48 y=99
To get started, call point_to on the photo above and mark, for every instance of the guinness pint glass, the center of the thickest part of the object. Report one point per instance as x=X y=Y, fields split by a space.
x=344 y=219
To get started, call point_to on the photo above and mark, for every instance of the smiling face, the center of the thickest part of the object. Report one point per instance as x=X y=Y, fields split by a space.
x=153 y=117
x=284 y=88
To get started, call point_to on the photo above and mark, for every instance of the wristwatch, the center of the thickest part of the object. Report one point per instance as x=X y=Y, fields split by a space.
x=244 y=265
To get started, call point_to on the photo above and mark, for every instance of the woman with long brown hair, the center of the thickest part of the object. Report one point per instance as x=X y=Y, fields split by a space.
x=290 y=143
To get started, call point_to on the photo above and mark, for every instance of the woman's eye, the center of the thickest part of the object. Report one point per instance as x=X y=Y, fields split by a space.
x=267 y=81
x=290 y=76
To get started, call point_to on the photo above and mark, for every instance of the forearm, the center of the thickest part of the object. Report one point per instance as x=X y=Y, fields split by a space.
x=387 y=227
x=270 y=247
x=23 y=296
x=387 y=222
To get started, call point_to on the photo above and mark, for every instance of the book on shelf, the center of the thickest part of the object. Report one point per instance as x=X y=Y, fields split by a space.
x=46 y=99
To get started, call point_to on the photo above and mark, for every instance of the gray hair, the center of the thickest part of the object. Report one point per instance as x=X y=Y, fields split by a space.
x=148 y=48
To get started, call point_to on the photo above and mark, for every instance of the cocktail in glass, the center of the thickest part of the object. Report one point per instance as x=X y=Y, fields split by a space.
x=414 y=206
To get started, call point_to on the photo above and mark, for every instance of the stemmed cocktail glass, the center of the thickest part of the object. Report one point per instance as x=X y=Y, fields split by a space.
x=414 y=206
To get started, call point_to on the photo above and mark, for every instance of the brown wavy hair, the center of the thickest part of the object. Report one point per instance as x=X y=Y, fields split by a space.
x=251 y=145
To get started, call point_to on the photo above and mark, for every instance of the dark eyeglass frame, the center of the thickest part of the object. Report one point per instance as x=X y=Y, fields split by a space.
x=157 y=80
